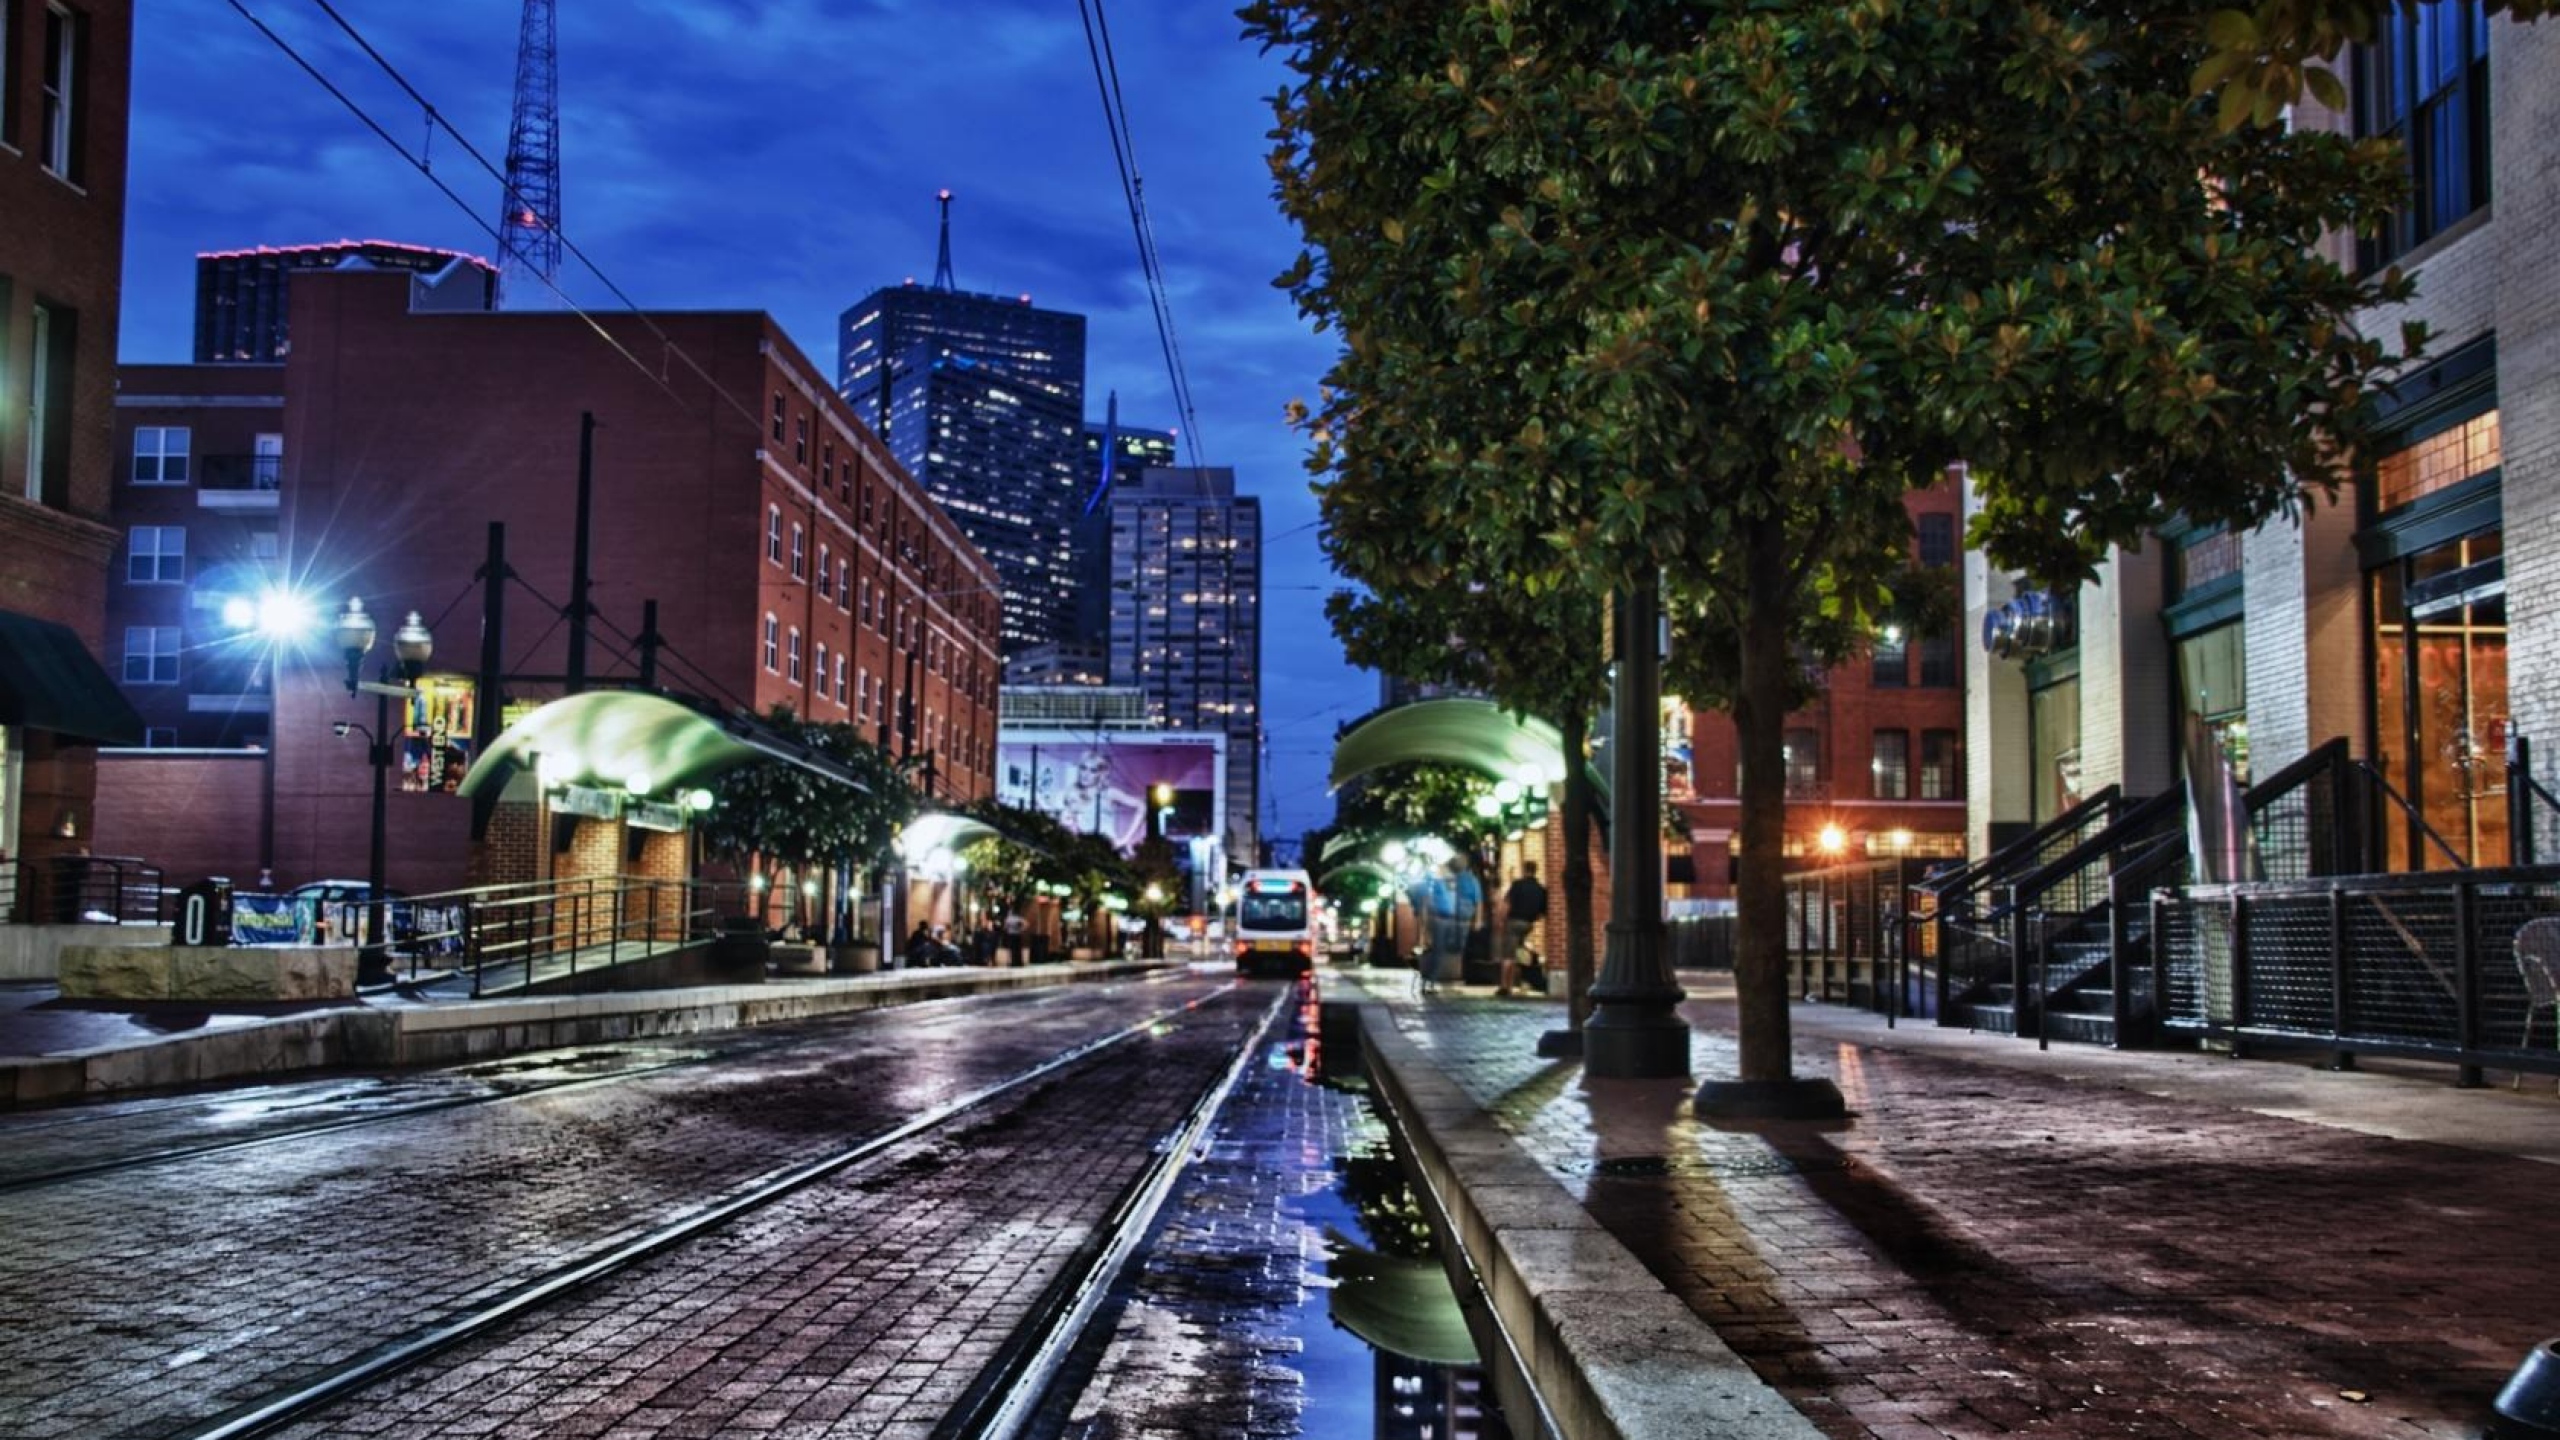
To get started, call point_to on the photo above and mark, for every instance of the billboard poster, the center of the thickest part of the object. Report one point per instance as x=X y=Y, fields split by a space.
x=435 y=740
x=1099 y=784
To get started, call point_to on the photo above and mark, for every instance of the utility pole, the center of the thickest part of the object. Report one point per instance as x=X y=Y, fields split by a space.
x=579 y=609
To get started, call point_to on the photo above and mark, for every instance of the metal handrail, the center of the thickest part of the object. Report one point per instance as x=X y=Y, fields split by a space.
x=2409 y=808
x=2002 y=859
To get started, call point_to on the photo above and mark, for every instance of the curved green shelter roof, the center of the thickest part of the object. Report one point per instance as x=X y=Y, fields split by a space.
x=1475 y=733
x=608 y=739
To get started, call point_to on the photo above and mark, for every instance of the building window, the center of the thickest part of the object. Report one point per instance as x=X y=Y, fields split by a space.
x=9 y=65
x=773 y=533
x=793 y=674
x=1891 y=766
x=1804 y=764
x=821 y=671
x=2208 y=558
x=800 y=440
x=1937 y=540
x=2425 y=83
x=2446 y=458
x=1892 y=659
x=777 y=417
x=826 y=572
x=1939 y=778
x=799 y=553
x=1938 y=661
x=160 y=455
x=844 y=585
x=151 y=655
x=66 y=37
x=827 y=465
x=840 y=692
x=772 y=642
x=862 y=691
x=158 y=556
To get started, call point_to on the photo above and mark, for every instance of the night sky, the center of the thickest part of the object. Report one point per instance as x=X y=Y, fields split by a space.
x=782 y=155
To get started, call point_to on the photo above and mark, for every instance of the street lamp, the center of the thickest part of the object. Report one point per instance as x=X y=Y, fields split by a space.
x=411 y=646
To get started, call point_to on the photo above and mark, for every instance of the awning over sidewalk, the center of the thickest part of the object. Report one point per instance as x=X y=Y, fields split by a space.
x=610 y=739
x=50 y=681
x=1475 y=733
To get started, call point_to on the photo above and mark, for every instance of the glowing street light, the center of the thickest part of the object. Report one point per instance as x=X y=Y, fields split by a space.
x=1833 y=839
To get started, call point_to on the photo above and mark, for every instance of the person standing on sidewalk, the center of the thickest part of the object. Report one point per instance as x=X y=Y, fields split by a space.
x=1523 y=906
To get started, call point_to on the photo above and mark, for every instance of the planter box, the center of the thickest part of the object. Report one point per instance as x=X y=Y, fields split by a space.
x=862 y=957
x=208 y=972
x=799 y=960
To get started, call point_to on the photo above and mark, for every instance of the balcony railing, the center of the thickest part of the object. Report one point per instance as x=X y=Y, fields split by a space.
x=239 y=472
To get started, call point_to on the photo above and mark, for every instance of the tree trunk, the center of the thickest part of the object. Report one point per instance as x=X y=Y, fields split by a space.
x=1580 y=951
x=1759 y=722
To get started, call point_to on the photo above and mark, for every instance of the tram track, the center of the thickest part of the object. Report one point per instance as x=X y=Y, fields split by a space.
x=1005 y=1386
x=174 y=1154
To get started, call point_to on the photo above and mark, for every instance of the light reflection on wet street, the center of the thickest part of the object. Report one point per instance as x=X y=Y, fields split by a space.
x=1291 y=1287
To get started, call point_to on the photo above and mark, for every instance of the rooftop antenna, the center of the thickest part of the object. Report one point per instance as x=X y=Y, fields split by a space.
x=529 y=212
x=942 y=260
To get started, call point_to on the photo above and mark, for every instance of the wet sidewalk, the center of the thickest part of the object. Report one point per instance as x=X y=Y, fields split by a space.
x=1998 y=1240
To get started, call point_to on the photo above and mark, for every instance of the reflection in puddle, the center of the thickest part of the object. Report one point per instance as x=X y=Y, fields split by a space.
x=1389 y=1317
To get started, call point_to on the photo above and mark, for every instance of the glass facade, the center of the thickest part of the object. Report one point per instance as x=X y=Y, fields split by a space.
x=2053 y=747
x=2213 y=681
x=2440 y=703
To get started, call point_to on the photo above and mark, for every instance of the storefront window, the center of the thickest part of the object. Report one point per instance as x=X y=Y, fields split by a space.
x=2440 y=703
x=2213 y=682
x=2053 y=720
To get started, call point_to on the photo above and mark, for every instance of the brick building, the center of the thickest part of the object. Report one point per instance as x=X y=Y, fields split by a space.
x=2418 y=618
x=199 y=457
x=1876 y=764
x=792 y=561
x=64 y=72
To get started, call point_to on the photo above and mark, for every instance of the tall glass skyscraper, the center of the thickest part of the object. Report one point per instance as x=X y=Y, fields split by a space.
x=981 y=397
x=1186 y=617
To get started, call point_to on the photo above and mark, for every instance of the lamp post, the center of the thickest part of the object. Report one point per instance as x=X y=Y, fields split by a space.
x=411 y=646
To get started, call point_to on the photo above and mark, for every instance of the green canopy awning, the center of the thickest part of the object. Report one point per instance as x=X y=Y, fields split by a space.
x=1475 y=733
x=50 y=681
x=608 y=739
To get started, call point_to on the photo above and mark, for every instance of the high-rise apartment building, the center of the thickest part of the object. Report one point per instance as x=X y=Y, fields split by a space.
x=1186 y=616
x=981 y=398
x=1112 y=452
x=244 y=296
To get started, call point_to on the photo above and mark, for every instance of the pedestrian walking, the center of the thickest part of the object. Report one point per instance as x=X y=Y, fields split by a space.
x=1455 y=897
x=1523 y=906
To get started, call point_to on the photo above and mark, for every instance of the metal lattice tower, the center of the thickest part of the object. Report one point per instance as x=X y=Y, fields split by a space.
x=942 y=260
x=529 y=214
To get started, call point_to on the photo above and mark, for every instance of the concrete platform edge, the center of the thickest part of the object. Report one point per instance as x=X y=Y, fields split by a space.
x=1611 y=1354
x=367 y=1037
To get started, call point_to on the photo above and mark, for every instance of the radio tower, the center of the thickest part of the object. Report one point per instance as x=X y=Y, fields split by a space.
x=529 y=214
x=942 y=261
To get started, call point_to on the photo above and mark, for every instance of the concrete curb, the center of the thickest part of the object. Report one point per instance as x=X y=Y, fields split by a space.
x=392 y=1037
x=1611 y=1354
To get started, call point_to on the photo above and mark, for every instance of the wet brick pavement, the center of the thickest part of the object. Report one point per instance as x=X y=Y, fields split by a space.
x=1984 y=1250
x=861 y=1306
x=135 y=1301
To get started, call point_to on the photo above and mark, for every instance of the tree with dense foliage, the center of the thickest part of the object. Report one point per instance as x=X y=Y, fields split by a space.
x=1637 y=293
x=2263 y=57
x=775 y=815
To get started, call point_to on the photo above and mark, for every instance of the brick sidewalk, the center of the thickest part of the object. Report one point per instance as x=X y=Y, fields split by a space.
x=1984 y=1248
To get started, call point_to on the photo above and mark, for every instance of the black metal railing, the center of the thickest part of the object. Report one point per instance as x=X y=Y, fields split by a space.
x=2527 y=802
x=239 y=472
x=2458 y=966
x=2057 y=915
x=82 y=890
x=1957 y=908
x=2307 y=819
x=1852 y=938
x=557 y=931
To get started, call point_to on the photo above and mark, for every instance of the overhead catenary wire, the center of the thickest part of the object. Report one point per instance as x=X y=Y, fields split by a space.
x=1124 y=157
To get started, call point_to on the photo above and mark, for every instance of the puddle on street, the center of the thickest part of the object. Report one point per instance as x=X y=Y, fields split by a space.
x=1385 y=1349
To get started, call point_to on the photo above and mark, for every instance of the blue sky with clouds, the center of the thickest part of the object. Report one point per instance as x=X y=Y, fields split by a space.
x=782 y=155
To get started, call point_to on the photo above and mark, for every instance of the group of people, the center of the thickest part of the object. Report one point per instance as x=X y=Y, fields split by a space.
x=1449 y=903
x=930 y=944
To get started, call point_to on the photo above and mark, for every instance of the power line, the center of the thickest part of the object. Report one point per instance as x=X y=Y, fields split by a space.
x=1133 y=191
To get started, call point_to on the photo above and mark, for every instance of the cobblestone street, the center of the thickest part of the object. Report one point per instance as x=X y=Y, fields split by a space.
x=136 y=1301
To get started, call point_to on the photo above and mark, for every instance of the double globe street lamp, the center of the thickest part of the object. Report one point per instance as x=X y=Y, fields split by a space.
x=411 y=646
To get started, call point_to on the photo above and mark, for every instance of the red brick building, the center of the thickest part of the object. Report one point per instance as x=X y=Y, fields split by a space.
x=1876 y=764
x=793 y=563
x=64 y=67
